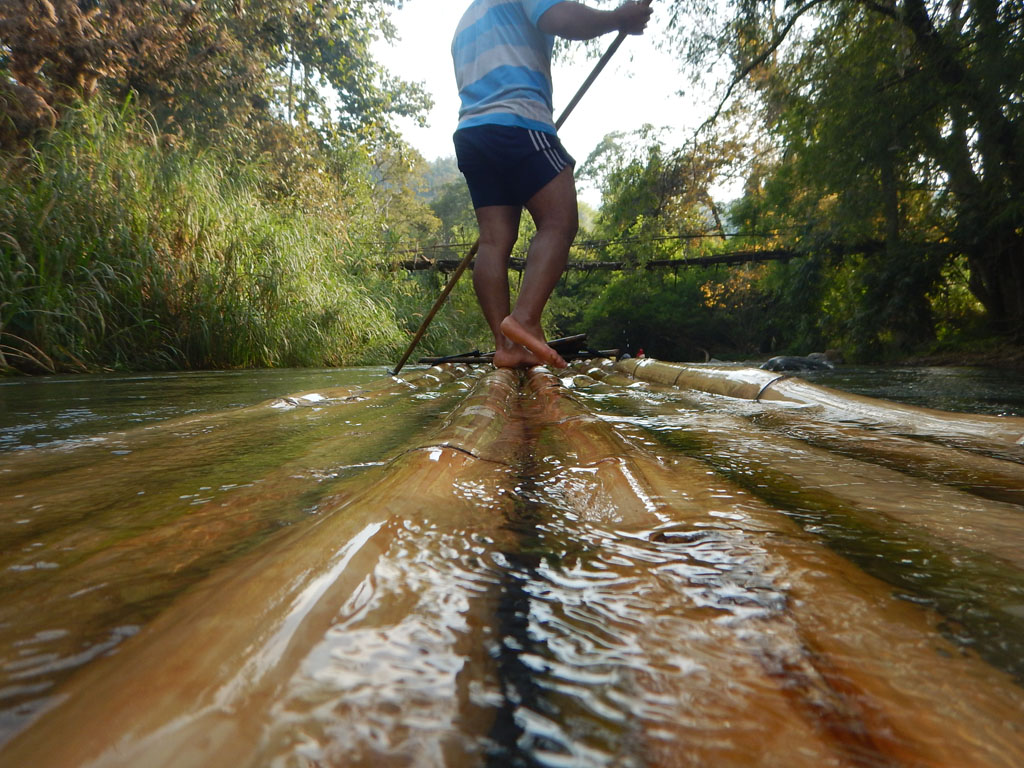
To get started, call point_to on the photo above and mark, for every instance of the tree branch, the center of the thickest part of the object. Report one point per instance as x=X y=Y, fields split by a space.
x=757 y=62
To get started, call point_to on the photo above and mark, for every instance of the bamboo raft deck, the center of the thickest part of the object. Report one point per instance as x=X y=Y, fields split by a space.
x=537 y=572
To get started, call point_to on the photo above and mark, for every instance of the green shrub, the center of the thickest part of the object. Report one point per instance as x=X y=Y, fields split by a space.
x=119 y=249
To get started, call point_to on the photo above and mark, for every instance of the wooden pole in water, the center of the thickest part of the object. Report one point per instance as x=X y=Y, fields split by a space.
x=468 y=258
x=437 y=304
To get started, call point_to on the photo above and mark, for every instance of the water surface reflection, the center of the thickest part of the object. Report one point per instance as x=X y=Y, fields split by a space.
x=491 y=570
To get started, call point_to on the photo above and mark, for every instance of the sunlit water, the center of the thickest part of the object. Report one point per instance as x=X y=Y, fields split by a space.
x=105 y=528
x=648 y=577
x=43 y=410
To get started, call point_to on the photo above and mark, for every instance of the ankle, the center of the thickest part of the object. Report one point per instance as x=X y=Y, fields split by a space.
x=524 y=316
x=532 y=324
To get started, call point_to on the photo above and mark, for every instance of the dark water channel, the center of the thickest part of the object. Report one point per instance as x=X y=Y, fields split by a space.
x=625 y=574
x=962 y=389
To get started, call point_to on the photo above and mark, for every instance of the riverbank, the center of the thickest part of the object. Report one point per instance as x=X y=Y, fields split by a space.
x=984 y=354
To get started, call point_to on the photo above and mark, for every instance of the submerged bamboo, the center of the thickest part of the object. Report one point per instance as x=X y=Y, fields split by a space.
x=172 y=535
x=949 y=495
x=805 y=472
x=62 y=501
x=979 y=474
x=972 y=431
x=662 y=614
x=222 y=431
x=764 y=641
x=197 y=686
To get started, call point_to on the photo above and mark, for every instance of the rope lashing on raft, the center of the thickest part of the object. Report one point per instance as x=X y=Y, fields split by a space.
x=764 y=389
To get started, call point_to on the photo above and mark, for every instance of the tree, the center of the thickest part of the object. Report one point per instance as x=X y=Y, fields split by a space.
x=657 y=205
x=899 y=119
x=214 y=66
x=649 y=190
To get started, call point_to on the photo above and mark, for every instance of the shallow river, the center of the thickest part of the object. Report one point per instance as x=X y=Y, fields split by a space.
x=339 y=568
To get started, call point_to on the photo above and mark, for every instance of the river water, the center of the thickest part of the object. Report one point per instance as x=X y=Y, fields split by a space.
x=617 y=574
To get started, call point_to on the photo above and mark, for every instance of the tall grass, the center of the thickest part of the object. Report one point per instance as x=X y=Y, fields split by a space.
x=117 y=251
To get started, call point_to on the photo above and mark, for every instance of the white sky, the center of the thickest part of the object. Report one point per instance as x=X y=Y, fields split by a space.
x=638 y=86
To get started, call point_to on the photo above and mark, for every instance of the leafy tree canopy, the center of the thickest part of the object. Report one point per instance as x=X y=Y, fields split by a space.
x=207 y=66
x=887 y=133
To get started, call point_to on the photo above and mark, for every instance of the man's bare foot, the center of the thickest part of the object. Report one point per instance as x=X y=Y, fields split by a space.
x=514 y=330
x=514 y=356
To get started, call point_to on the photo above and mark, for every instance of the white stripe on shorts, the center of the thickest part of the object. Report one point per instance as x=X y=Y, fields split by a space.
x=542 y=143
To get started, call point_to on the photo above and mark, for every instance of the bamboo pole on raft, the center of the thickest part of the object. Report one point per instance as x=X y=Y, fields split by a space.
x=981 y=522
x=468 y=258
x=804 y=657
x=44 y=485
x=941 y=522
x=761 y=385
x=749 y=637
x=224 y=676
x=28 y=466
x=172 y=538
x=974 y=471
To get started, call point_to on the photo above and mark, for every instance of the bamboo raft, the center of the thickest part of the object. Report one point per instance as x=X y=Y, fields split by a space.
x=533 y=574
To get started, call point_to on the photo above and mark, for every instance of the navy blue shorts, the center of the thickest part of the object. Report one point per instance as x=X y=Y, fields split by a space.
x=507 y=165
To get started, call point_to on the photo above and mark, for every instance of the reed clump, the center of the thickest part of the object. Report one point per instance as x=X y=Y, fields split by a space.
x=121 y=249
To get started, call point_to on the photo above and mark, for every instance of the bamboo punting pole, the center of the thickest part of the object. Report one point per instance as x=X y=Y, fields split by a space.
x=234 y=671
x=756 y=384
x=824 y=666
x=429 y=317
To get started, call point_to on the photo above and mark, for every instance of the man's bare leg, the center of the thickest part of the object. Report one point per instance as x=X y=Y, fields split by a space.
x=499 y=229
x=555 y=213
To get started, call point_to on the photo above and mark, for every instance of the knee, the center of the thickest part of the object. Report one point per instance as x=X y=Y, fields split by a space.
x=566 y=219
x=565 y=227
x=497 y=246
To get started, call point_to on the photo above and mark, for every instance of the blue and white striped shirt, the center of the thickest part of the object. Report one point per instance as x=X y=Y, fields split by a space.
x=503 y=64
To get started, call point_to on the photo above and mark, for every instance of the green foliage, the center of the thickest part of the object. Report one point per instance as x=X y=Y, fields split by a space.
x=458 y=326
x=438 y=174
x=117 y=250
x=650 y=310
x=850 y=289
x=685 y=314
x=657 y=205
x=451 y=204
x=895 y=132
x=250 y=211
x=217 y=69
x=651 y=191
